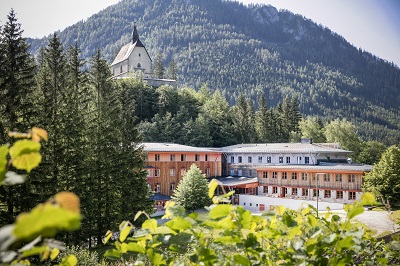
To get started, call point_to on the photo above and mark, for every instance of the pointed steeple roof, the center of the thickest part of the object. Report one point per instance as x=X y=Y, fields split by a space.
x=135 y=37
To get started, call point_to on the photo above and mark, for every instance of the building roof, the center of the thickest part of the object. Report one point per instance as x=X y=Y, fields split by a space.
x=284 y=148
x=320 y=167
x=127 y=49
x=236 y=181
x=159 y=196
x=172 y=147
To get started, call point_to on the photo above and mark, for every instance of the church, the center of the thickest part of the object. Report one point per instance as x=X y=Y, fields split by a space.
x=133 y=58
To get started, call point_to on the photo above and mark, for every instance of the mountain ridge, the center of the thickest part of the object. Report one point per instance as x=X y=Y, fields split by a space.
x=253 y=49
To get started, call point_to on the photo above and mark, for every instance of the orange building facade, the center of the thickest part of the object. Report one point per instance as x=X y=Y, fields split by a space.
x=167 y=163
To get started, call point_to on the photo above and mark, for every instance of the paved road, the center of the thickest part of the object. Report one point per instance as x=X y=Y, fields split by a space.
x=376 y=220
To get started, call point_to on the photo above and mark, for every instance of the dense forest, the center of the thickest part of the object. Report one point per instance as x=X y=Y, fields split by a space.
x=253 y=50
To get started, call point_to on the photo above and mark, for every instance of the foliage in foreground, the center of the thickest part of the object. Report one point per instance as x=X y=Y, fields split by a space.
x=231 y=235
x=32 y=232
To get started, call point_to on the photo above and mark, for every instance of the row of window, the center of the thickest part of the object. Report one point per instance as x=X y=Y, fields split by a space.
x=304 y=176
x=157 y=172
x=172 y=157
x=304 y=192
x=269 y=159
x=157 y=187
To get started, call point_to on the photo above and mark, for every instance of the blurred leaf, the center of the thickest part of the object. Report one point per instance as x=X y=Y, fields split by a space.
x=3 y=161
x=220 y=211
x=124 y=233
x=25 y=154
x=354 y=210
x=136 y=247
x=70 y=260
x=280 y=210
x=107 y=237
x=368 y=198
x=54 y=253
x=45 y=220
x=12 y=178
x=178 y=224
x=137 y=215
x=34 y=251
x=241 y=260
x=38 y=134
x=211 y=188
x=113 y=253
x=150 y=224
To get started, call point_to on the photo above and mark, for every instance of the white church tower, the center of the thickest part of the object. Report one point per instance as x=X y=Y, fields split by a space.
x=132 y=57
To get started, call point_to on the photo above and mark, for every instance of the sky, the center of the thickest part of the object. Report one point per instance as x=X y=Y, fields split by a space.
x=372 y=25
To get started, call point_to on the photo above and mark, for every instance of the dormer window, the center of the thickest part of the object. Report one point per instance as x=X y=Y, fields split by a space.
x=139 y=65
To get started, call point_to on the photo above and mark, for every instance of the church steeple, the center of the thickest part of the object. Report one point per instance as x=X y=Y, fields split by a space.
x=135 y=34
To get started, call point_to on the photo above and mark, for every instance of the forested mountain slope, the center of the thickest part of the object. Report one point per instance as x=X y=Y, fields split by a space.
x=253 y=49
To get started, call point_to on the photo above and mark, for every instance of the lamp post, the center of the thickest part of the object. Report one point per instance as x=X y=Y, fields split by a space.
x=316 y=187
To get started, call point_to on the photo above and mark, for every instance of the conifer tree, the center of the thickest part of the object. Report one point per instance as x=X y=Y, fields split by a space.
x=173 y=70
x=159 y=69
x=192 y=191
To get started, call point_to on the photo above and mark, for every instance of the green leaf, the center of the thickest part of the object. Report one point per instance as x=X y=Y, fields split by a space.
x=355 y=210
x=211 y=188
x=138 y=215
x=70 y=260
x=3 y=161
x=164 y=230
x=178 y=224
x=155 y=257
x=54 y=253
x=25 y=154
x=34 y=251
x=124 y=233
x=45 y=220
x=136 y=247
x=368 y=198
x=241 y=260
x=313 y=221
x=345 y=243
x=220 y=211
x=113 y=253
x=150 y=224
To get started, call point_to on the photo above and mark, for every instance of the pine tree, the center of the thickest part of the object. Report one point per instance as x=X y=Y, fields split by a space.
x=192 y=190
x=159 y=69
x=263 y=121
x=173 y=70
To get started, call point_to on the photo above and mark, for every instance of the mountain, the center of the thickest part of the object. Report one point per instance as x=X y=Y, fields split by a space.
x=253 y=49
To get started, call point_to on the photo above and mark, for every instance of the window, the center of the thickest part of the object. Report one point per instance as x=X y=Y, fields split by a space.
x=139 y=65
x=274 y=190
x=232 y=171
x=316 y=192
x=304 y=192
x=265 y=189
x=139 y=55
x=120 y=69
x=157 y=172
x=249 y=159
x=338 y=177
x=156 y=157
x=327 y=177
x=294 y=176
x=239 y=172
x=208 y=171
x=306 y=160
x=265 y=174
x=183 y=171
x=232 y=159
x=339 y=194
x=352 y=195
x=285 y=191
x=183 y=157
x=299 y=160
x=294 y=191
x=157 y=188
x=268 y=159
x=280 y=159
x=274 y=174
x=206 y=157
x=351 y=178
x=197 y=157
x=172 y=186
x=287 y=159
x=284 y=175
x=259 y=159
x=149 y=173
x=172 y=157
x=327 y=194
x=304 y=176
x=239 y=159
x=172 y=172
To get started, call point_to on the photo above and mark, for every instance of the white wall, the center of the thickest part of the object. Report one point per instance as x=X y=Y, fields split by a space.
x=252 y=203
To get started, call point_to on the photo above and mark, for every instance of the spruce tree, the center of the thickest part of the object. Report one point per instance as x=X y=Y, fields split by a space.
x=159 y=69
x=173 y=70
x=192 y=191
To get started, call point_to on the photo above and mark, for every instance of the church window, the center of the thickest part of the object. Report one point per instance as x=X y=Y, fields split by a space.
x=139 y=55
x=139 y=65
x=120 y=69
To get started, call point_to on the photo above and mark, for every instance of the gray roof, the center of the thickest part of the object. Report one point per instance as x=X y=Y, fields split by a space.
x=236 y=181
x=126 y=51
x=172 y=147
x=320 y=167
x=283 y=148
